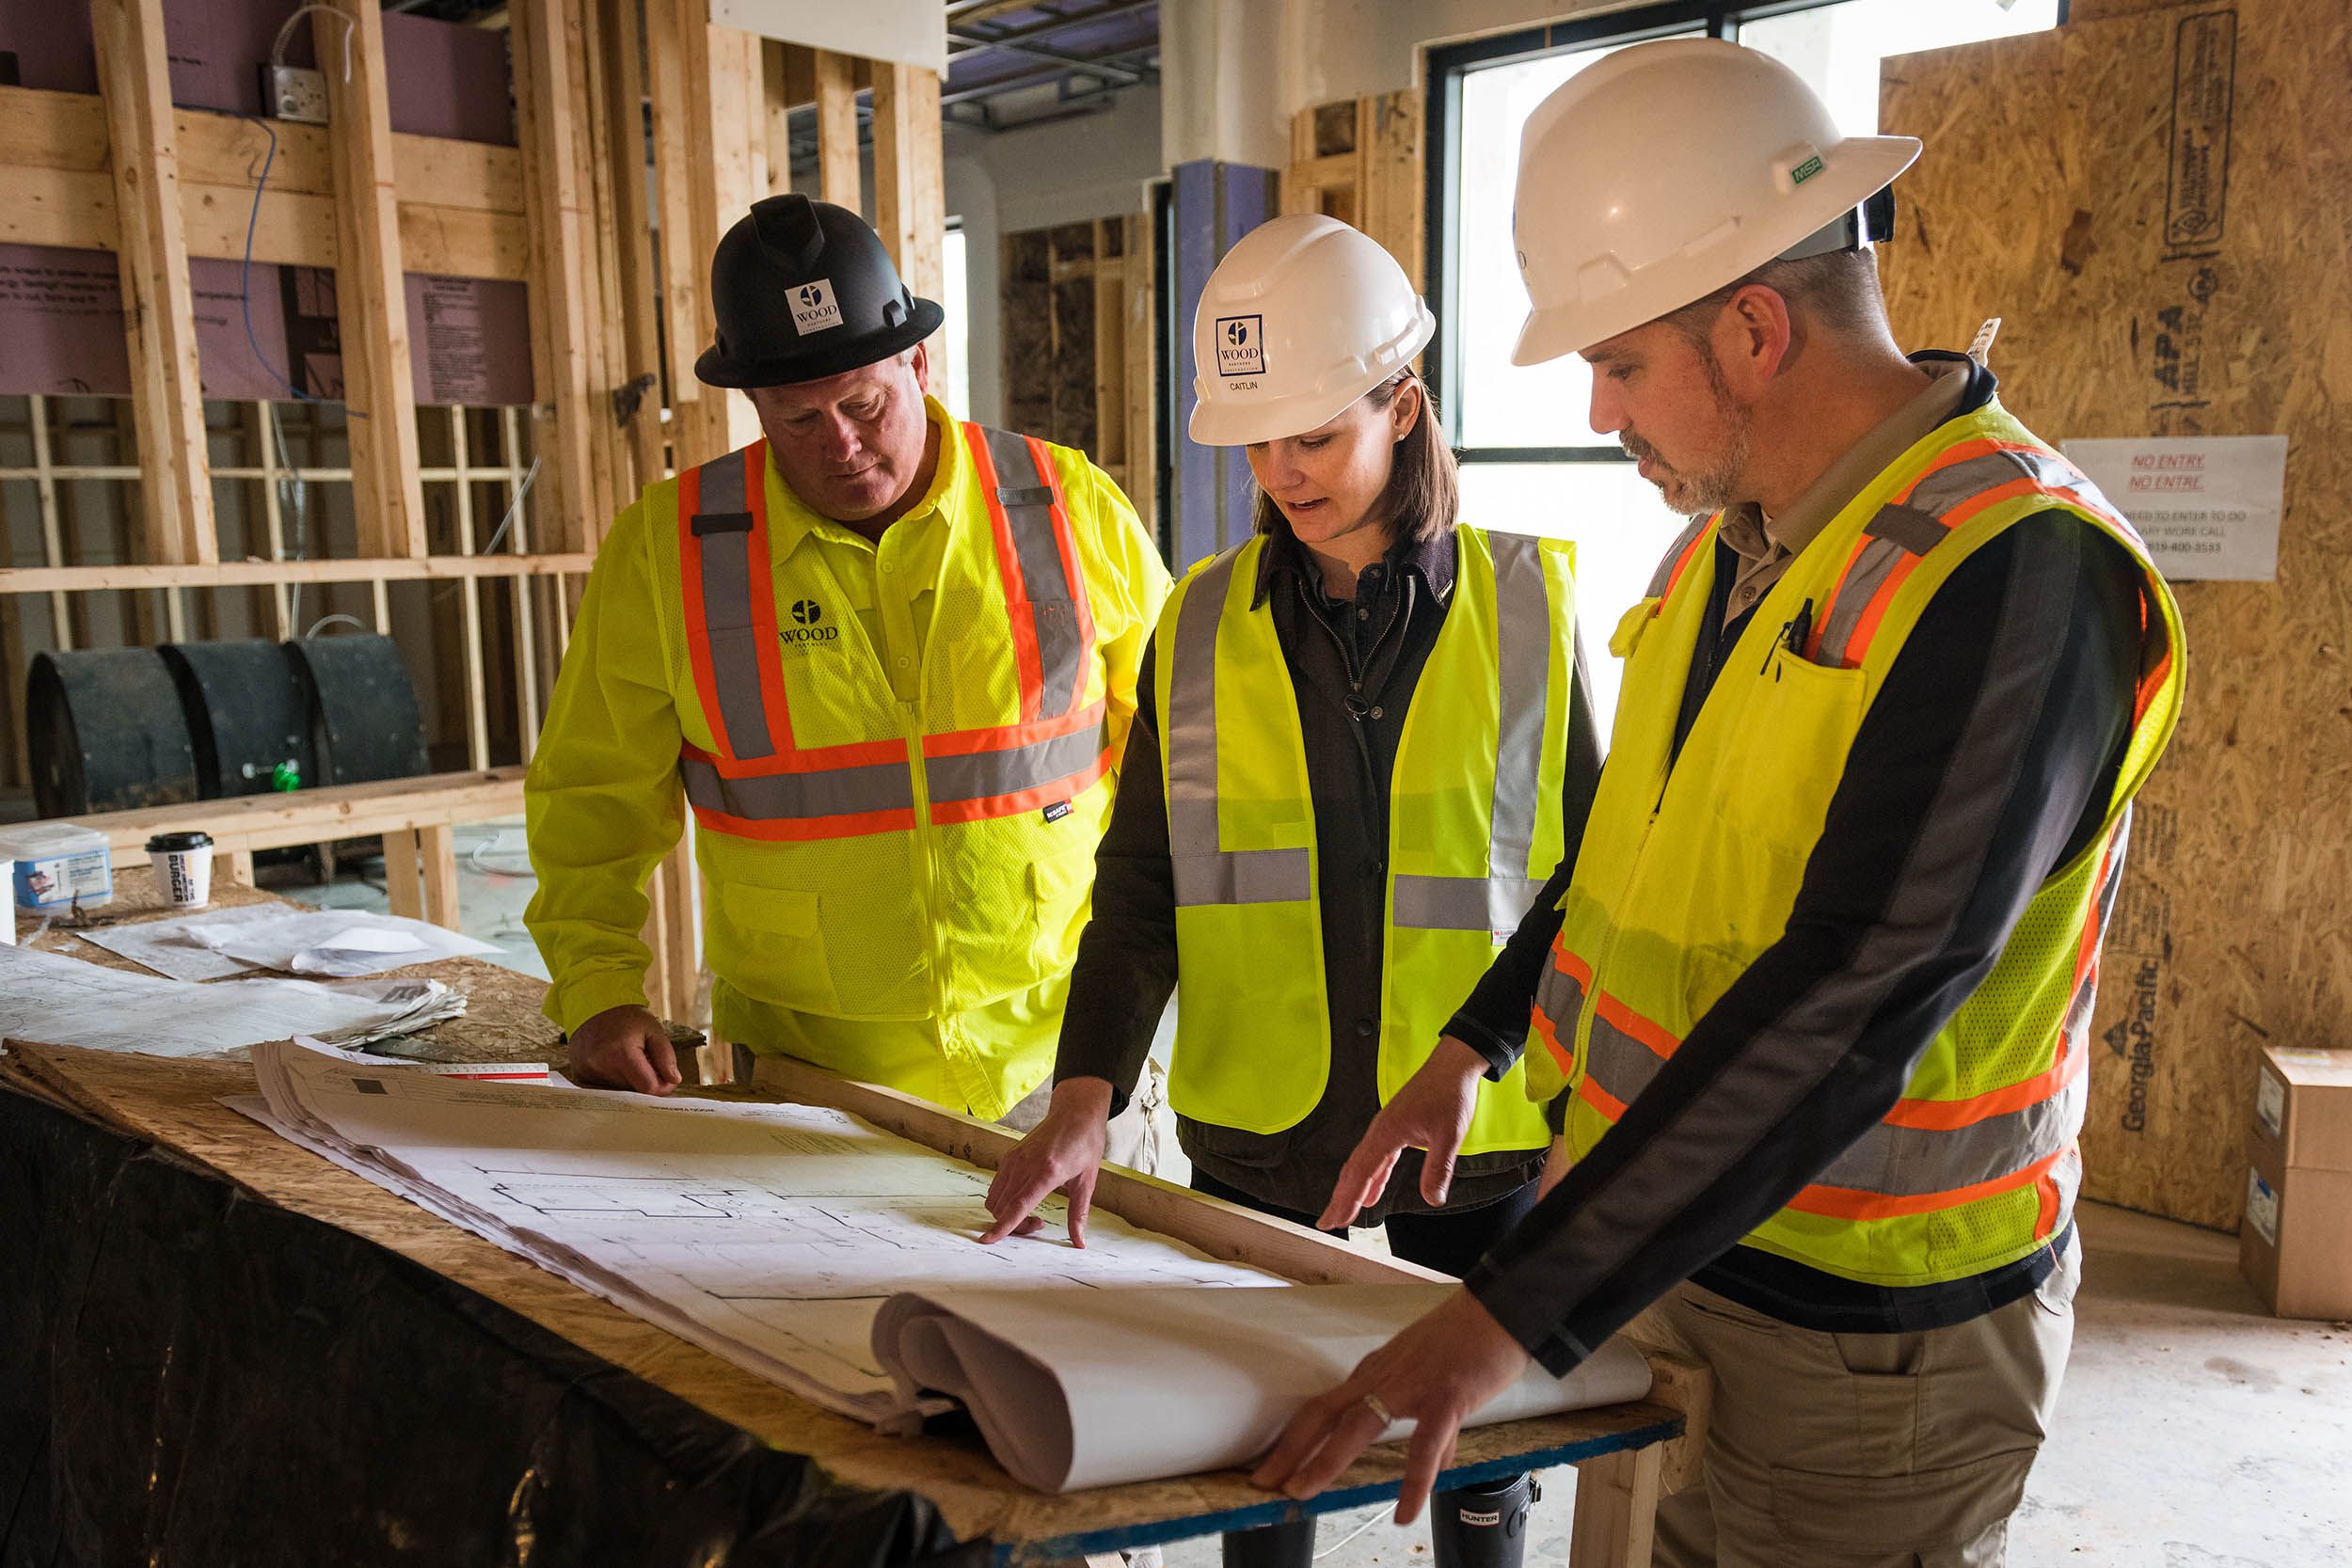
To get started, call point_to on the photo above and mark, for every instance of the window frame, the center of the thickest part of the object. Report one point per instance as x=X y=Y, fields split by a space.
x=1447 y=65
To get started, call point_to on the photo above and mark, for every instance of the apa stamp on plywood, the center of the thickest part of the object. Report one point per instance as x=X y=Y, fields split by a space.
x=2204 y=92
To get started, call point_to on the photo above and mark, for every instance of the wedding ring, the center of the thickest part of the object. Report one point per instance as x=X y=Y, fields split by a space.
x=1371 y=1402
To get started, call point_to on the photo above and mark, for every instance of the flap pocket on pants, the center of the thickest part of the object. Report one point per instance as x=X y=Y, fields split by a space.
x=1924 y=1511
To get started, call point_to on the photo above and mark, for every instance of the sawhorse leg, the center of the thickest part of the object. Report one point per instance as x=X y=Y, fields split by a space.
x=1616 y=1509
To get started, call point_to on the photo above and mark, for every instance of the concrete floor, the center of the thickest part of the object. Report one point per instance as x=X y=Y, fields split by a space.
x=2193 y=1433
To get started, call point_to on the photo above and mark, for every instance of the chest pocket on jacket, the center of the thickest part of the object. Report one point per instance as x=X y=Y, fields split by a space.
x=1780 y=768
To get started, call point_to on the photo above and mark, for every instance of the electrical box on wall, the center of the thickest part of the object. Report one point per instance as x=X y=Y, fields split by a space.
x=294 y=92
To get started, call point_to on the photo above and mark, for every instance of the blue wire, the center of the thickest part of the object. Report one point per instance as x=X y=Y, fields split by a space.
x=245 y=282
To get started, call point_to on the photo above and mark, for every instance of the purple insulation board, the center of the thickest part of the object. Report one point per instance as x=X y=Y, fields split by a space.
x=61 y=327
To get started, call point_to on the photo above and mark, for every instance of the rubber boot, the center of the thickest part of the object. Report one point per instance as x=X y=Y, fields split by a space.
x=1289 y=1544
x=1482 y=1527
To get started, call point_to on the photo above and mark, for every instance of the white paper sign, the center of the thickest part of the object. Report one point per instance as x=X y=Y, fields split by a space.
x=2208 y=505
x=912 y=32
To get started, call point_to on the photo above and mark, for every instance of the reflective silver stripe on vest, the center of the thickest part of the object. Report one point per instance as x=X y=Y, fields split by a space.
x=1204 y=873
x=984 y=775
x=785 y=797
x=1921 y=1162
x=1560 y=996
x=1911 y=528
x=721 y=525
x=1889 y=1160
x=1523 y=660
x=1051 y=604
x=1618 y=1062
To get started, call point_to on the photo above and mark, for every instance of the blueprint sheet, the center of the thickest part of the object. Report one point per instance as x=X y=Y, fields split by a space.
x=768 y=1234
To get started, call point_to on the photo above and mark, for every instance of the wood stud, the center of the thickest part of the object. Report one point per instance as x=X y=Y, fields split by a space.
x=158 y=299
x=371 y=293
x=616 y=263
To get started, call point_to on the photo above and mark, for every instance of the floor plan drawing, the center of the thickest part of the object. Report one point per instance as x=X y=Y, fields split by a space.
x=768 y=1233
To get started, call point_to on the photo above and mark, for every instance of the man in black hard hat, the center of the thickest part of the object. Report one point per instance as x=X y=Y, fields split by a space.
x=888 y=658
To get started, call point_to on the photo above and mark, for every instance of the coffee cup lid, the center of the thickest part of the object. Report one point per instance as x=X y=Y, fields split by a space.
x=165 y=844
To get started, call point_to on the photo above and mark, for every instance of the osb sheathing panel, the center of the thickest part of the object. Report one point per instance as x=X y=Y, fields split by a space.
x=2157 y=206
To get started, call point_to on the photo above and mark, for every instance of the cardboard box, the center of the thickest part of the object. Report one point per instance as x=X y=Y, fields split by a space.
x=2296 y=1240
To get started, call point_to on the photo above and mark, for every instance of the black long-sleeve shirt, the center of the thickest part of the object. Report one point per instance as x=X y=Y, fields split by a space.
x=1984 y=763
x=1354 y=665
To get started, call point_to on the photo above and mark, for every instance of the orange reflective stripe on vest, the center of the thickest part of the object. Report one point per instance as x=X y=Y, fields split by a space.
x=760 y=784
x=1960 y=484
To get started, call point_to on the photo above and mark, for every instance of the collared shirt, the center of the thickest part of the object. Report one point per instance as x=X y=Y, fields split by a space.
x=1765 y=546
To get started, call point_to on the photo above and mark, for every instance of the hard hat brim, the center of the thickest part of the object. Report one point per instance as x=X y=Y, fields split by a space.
x=1858 y=168
x=714 y=369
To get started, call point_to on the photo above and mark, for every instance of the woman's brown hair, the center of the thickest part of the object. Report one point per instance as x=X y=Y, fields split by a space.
x=1424 y=490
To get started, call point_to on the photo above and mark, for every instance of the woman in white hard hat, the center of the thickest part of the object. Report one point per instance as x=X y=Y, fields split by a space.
x=1363 y=747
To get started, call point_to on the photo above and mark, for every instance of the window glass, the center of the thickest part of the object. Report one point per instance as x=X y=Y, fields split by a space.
x=1620 y=526
x=956 y=333
x=1504 y=405
x=1837 y=48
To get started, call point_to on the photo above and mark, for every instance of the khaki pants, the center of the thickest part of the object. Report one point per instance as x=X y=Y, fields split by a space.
x=1862 y=1450
x=1135 y=1133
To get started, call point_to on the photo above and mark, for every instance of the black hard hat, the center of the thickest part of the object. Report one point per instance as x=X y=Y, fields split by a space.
x=805 y=289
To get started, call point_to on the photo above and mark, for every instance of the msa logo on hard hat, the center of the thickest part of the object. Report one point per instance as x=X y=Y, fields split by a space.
x=808 y=618
x=1240 y=345
x=813 y=309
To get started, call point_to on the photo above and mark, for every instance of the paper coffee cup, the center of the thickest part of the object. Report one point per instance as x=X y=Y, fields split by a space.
x=183 y=868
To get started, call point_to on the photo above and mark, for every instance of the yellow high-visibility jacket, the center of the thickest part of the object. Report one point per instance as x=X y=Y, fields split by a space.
x=900 y=757
x=1691 y=865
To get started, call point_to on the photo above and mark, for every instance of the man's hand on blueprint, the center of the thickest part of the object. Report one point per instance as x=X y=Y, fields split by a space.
x=1449 y=1362
x=624 y=1048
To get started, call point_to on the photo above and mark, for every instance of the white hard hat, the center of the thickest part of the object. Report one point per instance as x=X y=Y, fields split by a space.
x=1303 y=316
x=1667 y=170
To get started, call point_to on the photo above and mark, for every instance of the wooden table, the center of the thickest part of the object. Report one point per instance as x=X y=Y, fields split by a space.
x=1624 y=1454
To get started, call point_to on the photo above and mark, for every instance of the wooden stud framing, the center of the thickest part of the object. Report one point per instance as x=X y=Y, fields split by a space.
x=640 y=411
x=725 y=143
x=546 y=36
x=682 y=270
x=774 y=74
x=837 y=175
x=1086 y=379
x=158 y=301
x=1360 y=161
x=370 y=298
x=460 y=203
x=477 y=694
x=910 y=188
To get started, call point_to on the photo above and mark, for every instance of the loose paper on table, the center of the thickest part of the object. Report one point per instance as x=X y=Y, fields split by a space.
x=60 y=1001
x=215 y=943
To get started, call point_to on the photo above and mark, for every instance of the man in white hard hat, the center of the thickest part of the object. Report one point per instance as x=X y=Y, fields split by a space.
x=1818 y=982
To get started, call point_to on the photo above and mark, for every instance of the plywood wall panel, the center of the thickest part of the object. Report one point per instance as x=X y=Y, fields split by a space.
x=2156 y=205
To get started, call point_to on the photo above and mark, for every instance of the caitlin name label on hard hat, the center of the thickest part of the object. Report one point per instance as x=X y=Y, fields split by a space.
x=813 y=308
x=1240 y=345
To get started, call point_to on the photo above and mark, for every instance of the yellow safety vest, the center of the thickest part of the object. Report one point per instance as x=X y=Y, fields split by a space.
x=940 y=852
x=1475 y=830
x=1685 y=878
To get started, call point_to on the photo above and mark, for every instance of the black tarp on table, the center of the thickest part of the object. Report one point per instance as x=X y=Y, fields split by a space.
x=191 y=1376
